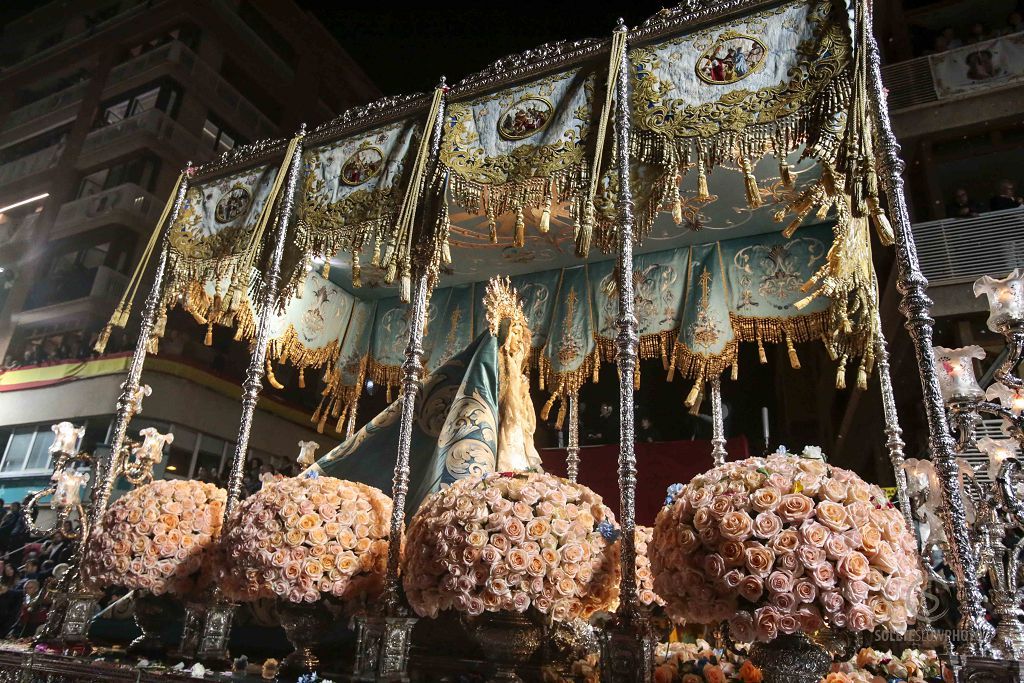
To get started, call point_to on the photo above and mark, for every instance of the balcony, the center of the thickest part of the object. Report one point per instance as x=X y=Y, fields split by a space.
x=30 y=164
x=142 y=130
x=959 y=250
x=126 y=204
x=943 y=77
x=71 y=294
x=61 y=101
x=17 y=231
x=197 y=74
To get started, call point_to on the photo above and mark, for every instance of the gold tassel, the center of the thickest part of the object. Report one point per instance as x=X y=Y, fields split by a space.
x=695 y=408
x=585 y=233
x=545 y=217
x=786 y=173
x=881 y=222
x=302 y=378
x=671 y=368
x=405 y=288
x=750 y=184
x=391 y=273
x=322 y=423
x=326 y=270
x=238 y=334
x=794 y=360
x=375 y=259
x=316 y=413
x=153 y=346
x=208 y=340
x=830 y=349
x=271 y=378
x=446 y=253
x=387 y=396
x=161 y=325
x=540 y=379
x=702 y=177
x=546 y=410
x=357 y=271
x=199 y=318
x=735 y=375
x=677 y=208
x=862 y=375
x=664 y=355
x=636 y=377
x=841 y=373
x=283 y=358
x=560 y=420
x=520 y=237
x=761 y=356
x=595 y=372
x=691 y=397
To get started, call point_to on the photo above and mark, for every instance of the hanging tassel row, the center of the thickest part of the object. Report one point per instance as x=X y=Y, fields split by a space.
x=702 y=176
x=750 y=183
x=520 y=236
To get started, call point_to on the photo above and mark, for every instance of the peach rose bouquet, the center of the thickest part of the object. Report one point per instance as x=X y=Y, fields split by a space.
x=306 y=538
x=153 y=538
x=785 y=544
x=511 y=542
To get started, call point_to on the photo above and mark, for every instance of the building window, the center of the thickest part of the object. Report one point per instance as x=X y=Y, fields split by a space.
x=141 y=171
x=217 y=138
x=163 y=97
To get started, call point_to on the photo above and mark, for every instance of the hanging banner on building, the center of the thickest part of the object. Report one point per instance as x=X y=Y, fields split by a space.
x=989 y=64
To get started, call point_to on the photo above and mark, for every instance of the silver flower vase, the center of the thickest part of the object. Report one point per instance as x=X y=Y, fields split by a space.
x=151 y=613
x=792 y=658
x=305 y=625
x=507 y=639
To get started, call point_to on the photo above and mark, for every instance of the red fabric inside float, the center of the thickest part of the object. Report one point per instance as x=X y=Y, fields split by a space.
x=659 y=465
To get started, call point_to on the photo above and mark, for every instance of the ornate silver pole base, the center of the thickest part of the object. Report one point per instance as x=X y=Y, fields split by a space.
x=215 y=631
x=192 y=627
x=382 y=648
x=78 y=615
x=627 y=652
x=985 y=670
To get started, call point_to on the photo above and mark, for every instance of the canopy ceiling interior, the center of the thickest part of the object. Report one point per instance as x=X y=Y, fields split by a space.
x=752 y=177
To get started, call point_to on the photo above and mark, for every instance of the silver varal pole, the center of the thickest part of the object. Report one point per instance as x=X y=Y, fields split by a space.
x=126 y=401
x=893 y=432
x=411 y=369
x=916 y=306
x=626 y=341
x=572 y=452
x=253 y=383
x=718 y=452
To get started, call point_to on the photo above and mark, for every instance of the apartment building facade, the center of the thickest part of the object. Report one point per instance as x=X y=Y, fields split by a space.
x=102 y=103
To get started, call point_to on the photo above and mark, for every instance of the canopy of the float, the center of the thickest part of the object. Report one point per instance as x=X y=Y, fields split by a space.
x=748 y=229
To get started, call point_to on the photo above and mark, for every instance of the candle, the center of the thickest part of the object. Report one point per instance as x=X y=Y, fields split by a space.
x=1005 y=299
x=997 y=451
x=1008 y=397
x=956 y=372
x=764 y=424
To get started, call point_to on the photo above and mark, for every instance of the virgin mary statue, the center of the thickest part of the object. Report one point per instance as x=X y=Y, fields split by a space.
x=473 y=415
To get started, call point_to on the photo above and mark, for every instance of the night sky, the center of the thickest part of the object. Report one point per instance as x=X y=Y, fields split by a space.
x=408 y=49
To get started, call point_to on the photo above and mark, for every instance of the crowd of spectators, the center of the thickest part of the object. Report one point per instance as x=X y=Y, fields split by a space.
x=963 y=206
x=952 y=37
x=29 y=567
x=60 y=348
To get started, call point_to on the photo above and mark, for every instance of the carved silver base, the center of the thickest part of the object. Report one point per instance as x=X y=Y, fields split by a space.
x=791 y=659
x=382 y=648
x=191 y=629
x=985 y=670
x=627 y=652
x=507 y=640
x=214 y=635
x=81 y=608
x=151 y=613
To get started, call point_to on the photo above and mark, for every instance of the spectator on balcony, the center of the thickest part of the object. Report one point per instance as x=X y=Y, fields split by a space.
x=1006 y=197
x=962 y=206
x=952 y=40
x=977 y=33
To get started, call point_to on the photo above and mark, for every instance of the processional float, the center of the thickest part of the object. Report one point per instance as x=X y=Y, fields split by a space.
x=585 y=173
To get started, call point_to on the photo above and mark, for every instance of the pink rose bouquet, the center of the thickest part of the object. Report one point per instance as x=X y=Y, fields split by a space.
x=305 y=538
x=509 y=542
x=785 y=544
x=154 y=537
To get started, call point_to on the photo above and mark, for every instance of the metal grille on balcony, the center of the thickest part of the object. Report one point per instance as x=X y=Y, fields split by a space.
x=31 y=163
x=47 y=105
x=154 y=122
x=909 y=83
x=954 y=250
x=123 y=199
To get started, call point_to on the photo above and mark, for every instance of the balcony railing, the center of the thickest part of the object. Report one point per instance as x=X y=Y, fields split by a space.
x=154 y=123
x=31 y=163
x=955 y=250
x=199 y=75
x=17 y=231
x=80 y=283
x=47 y=105
x=126 y=199
x=948 y=75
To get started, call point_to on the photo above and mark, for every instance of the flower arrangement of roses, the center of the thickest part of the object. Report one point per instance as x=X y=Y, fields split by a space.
x=785 y=544
x=509 y=542
x=154 y=537
x=644 y=576
x=305 y=538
